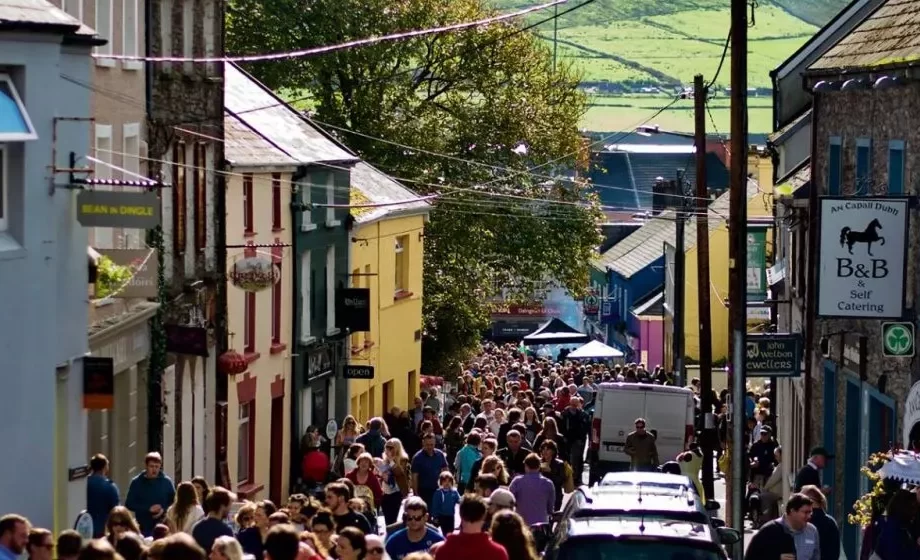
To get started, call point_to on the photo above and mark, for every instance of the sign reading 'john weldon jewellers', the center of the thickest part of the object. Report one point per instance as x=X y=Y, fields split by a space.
x=862 y=255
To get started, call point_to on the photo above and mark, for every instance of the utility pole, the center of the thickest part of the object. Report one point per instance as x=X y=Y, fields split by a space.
x=555 y=34
x=738 y=258
x=680 y=283
x=709 y=435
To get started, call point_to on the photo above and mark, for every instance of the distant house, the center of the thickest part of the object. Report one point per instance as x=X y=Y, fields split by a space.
x=624 y=175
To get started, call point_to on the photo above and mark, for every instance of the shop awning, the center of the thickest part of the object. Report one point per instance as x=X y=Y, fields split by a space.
x=556 y=331
x=594 y=350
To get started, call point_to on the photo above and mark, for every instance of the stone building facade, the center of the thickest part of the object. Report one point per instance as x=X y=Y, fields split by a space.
x=864 y=131
x=185 y=135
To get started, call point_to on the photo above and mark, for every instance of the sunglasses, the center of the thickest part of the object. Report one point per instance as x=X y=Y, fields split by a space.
x=414 y=517
x=640 y=425
x=377 y=550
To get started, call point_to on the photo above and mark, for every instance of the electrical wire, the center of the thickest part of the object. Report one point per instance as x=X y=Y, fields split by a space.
x=341 y=46
x=721 y=60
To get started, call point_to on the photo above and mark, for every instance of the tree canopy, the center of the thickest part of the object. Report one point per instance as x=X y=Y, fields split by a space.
x=479 y=117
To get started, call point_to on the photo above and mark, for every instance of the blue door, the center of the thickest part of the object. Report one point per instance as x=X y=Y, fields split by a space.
x=852 y=464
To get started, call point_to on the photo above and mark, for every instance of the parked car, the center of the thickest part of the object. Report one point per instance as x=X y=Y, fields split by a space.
x=632 y=538
x=644 y=502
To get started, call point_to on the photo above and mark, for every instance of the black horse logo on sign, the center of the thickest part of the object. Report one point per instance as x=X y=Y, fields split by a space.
x=849 y=237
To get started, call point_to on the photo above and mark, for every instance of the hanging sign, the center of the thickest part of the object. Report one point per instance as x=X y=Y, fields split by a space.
x=98 y=383
x=358 y=372
x=756 y=265
x=770 y=355
x=143 y=265
x=898 y=340
x=121 y=209
x=862 y=256
x=591 y=303
x=254 y=274
x=353 y=309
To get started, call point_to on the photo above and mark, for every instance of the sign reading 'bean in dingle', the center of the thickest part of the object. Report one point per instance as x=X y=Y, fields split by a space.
x=136 y=210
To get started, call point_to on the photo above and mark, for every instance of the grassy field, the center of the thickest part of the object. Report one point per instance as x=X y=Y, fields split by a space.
x=617 y=113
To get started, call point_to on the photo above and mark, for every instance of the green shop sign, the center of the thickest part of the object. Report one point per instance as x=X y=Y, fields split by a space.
x=757 y=265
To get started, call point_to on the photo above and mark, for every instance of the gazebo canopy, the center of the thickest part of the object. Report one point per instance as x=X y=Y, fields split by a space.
x=555 y=331
x=594 y=349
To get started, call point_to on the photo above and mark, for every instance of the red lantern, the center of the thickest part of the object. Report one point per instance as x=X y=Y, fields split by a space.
x=232 y=362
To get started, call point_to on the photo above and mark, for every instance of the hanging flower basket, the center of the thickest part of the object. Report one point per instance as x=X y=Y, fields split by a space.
x=232 y=362
x=886 y=472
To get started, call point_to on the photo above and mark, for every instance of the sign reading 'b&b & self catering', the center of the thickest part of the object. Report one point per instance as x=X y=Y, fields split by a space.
x=862 y=256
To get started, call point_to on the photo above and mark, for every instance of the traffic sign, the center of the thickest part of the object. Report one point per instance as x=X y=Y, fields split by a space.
x=898 y=340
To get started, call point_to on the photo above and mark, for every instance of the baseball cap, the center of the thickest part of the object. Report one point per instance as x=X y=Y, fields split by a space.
x=502 y=498
x=820 y=452
x=766 y=430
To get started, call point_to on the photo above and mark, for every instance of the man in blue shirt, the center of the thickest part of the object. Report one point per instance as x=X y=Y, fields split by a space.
x=417 y=536
x=427 y=466
x=150 y=493
x=101 y=494
x=14 y=536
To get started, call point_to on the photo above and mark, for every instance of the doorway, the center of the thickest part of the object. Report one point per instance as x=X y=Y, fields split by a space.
x=276 y=458
x=387 y=397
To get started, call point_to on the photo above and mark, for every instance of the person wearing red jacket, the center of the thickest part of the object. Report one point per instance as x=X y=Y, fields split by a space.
x=367 y=485
x=315 y=466
x=471 y=541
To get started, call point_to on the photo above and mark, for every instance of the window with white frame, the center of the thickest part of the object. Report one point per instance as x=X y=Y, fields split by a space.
x=104 y=23
x=130 y=22
x=15 y=124
x=305 y=295
x=244 y=446
x=306 y=194
x=401 y=268
x=4 y=222
x=330 y=288
x=330 y=199
x=102 y=236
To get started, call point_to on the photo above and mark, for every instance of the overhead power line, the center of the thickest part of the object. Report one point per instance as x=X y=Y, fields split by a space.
x=341 y=46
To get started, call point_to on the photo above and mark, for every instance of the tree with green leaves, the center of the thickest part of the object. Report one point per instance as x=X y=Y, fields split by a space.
x=478 y=117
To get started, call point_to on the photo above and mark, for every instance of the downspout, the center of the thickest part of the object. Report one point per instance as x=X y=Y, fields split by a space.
x=811 y=289
x=296 y=221
x=148 y=52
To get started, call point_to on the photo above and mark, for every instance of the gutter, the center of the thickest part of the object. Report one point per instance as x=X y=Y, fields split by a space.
x=811 y=289
x=136 y=317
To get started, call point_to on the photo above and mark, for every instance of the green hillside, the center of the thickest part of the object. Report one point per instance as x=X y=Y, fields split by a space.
x=629 y=49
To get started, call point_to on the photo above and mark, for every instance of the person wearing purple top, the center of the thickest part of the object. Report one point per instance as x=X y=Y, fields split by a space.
x=534 y=493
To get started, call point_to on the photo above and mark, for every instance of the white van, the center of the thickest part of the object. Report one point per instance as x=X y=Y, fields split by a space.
x=669 y=413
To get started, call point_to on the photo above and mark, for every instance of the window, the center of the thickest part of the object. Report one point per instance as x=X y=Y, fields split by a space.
x=276 y=201
x=276 y=305
x=179 y=200
x=896 y=167
x=330 y=288
x=15 y=125
x=306 y=294
x=246 y=434
x=131 y=162
x=249 y=328
x=103 y=237
x=130 y=36
x=306 y=194
x=402 y=265
x=330 y=199
x=834 y=166
x=103 y=26
x=247 y=203
x=863 y=166
x=4 y=222
x=200 y=185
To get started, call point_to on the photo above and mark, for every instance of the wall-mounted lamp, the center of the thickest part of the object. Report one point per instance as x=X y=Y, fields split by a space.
x=361 y=241
x=825 y=86
x=854 y=84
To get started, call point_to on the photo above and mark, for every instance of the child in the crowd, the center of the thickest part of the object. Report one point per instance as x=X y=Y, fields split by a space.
x=351 y=459
x=444 y=504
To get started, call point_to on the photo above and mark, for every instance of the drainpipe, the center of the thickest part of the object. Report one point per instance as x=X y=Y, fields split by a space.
x=811 y=289
x=296 y=220
x=148 y=52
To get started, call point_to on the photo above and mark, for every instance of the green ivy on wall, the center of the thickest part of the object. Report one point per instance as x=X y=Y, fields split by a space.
x=156 y=363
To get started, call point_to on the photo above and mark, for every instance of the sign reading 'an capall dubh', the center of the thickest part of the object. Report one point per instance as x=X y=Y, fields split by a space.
x=862 y=257
x=254 y=274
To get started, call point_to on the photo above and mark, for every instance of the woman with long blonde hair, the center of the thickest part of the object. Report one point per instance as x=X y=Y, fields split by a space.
x=226 y=548
x=185 y=510
x=394 y=475
x=345 y=437
x=493 y=464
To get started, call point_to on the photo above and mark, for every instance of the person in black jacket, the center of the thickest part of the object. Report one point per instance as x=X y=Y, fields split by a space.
x=774 y=541
x=828 y=531
x=810 y=474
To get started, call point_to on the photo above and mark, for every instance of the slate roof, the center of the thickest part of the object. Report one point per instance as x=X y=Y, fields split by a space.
x=40 y=13
x=291 y=132
x=626 y=180
x=890 y=36
x=371 y=186
x=244 y=147
x=793 y=182
x=780 y=135
x=646 y=245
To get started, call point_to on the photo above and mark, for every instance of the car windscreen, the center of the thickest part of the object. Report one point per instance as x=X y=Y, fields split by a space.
x=636 y=548
x=692 y=516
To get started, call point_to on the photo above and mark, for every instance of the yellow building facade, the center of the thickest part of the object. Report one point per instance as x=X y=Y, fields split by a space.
x=760 y=206
x=386 y=257
x=258 y=407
